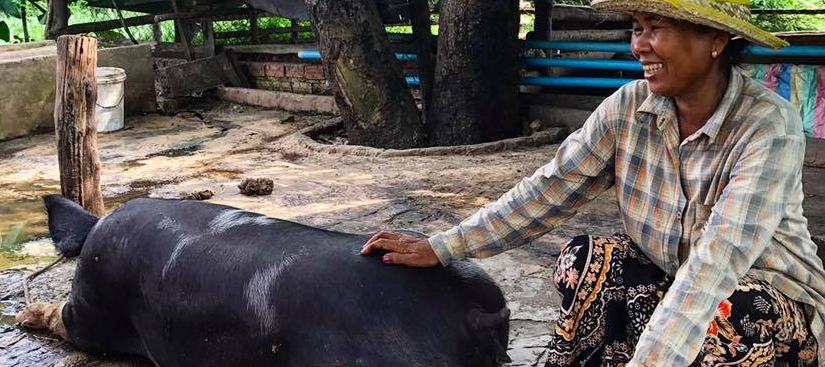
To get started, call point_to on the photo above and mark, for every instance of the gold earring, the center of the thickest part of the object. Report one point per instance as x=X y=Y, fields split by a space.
x=714 y=54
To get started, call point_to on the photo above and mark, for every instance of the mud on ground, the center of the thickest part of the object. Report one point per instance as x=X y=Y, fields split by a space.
x=216 y=147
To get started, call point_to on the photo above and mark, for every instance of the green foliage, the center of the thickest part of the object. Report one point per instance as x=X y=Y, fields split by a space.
x=9 y=8
x=5 y=33
x=779 y=23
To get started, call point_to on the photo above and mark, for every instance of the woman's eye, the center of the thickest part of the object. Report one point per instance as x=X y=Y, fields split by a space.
x=637 y=31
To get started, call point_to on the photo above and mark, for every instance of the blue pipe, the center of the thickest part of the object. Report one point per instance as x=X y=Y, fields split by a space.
x=316 y=55
x=625 y=47
x=787 y=51
x=559 y=82
x=575 y=82
x=578 y=46
x=584 y=63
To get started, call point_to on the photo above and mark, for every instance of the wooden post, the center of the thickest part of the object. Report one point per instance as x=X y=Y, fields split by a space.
x=253 y=26
x=542 y=19
x=184 y=38
x=208 y=37
x=293 y=23
x=157 y=32
x=74 y=118
x=23 y=18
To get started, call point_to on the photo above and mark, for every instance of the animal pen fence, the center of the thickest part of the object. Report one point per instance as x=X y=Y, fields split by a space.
x=572 y=57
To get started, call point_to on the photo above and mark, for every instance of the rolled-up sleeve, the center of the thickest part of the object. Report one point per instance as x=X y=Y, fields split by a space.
x=581 y=169
x=741 y=225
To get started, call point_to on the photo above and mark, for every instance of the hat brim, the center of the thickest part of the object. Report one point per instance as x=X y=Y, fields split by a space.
x=684 y=10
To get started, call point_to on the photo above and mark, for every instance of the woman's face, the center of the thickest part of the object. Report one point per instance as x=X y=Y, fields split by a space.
x=675 y=55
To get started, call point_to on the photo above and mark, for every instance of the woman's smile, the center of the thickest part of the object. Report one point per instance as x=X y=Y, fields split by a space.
x=653 y=69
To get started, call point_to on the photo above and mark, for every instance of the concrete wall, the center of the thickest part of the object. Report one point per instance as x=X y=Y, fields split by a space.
x=27 y=84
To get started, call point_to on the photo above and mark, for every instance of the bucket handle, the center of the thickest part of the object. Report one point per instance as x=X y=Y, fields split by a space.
x=112 y=106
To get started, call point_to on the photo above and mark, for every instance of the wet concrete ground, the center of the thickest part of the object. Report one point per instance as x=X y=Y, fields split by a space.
x=218 y=146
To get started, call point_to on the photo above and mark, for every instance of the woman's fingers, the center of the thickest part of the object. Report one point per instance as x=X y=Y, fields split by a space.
x=402 y=249
x=394 y=244
x=420 y=255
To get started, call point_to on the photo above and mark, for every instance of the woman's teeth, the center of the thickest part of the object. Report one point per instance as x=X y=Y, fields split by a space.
x=652 y=68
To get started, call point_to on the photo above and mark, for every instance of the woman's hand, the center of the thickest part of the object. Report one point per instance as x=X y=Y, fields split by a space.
x=403 y=249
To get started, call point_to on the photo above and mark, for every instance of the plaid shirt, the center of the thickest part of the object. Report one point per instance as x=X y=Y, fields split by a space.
x=725 y=202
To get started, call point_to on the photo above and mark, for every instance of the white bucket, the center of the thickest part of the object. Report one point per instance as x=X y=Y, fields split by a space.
x=109 y=109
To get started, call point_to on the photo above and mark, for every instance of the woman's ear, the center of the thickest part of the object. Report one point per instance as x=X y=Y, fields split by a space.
x=721 y=40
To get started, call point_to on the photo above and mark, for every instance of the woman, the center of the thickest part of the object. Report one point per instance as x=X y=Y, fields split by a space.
x=717 y=266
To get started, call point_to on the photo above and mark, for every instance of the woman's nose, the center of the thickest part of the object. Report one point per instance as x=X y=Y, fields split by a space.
x=639 y=44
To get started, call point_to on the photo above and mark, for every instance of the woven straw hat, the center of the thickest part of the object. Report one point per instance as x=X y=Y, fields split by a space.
x=728 y=15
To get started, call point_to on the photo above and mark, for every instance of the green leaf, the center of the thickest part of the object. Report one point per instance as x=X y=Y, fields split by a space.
x=5 y=32
x=10 y=8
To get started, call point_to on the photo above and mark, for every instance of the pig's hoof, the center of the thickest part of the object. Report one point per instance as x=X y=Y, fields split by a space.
x=36 y=315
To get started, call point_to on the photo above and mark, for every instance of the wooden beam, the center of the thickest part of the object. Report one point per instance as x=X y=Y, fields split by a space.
x=182 y=36
x=104 y=26
x=788 y=11
x=266 y=31
x=75 y=125
x=592 y=35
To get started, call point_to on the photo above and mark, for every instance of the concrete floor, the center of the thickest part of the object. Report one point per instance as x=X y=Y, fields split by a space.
x=216 y=147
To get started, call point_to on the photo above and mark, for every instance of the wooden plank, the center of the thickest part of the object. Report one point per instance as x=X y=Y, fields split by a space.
x=551 y=116
x=273 y=49
x=572 y=13
x=592 y=35
x=266 y=31
x=282 y=100
x=197 y=76
x=105 y=25
x=75 y=125
x=788 y=11
x=815 y=152
x=579 y=102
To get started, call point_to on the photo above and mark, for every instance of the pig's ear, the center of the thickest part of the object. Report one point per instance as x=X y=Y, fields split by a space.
x=69 y=224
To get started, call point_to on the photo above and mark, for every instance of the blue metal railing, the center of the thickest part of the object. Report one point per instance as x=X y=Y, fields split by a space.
x=584 y=63
x=629 y=65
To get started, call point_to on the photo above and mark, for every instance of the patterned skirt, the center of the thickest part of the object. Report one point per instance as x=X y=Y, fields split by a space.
x=609 y=290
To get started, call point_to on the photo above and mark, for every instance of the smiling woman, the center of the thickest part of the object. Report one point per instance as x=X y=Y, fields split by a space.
x=716 y=266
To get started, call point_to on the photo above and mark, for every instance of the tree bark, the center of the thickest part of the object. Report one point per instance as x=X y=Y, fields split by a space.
x=374 y=100
x=476 y=88
x=74 y=117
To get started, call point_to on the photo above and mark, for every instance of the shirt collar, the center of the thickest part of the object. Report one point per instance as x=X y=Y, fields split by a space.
x=662 y=109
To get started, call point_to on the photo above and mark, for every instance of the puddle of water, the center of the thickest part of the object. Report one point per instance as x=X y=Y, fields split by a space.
x=23 y=219
x=7 y=312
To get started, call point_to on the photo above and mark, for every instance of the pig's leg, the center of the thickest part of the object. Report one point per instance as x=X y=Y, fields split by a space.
x=41 y=315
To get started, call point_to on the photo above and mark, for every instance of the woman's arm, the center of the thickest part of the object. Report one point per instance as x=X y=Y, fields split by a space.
x=580 y=171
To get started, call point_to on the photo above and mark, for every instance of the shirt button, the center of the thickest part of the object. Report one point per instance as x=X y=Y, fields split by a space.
x=678 y=215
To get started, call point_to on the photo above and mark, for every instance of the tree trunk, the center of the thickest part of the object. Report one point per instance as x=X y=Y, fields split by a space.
x=372 y=97
x=420 y=19
x=476 y=88
x=74 y=117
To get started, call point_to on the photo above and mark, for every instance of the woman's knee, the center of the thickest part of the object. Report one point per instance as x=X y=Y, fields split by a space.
x=571 y=263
